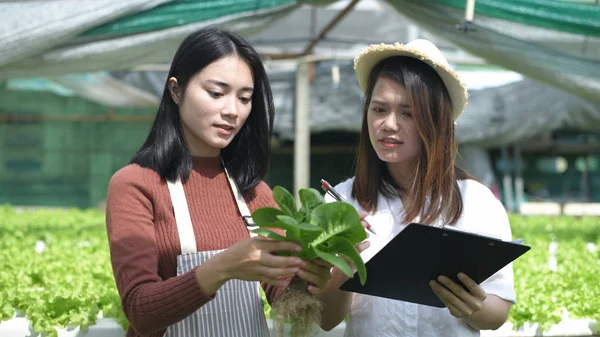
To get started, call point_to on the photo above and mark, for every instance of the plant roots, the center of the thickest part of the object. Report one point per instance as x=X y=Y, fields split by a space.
x=297 y=309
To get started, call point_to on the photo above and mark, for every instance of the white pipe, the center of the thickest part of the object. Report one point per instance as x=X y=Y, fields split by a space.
x=519 y=182
x=302 y=129
x=507 y=180
x=458 y=57
x=335 y=75
x=412 y=33
x=470 y=10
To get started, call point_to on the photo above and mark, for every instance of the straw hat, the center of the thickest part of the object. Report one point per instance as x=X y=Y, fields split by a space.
x=419 y=49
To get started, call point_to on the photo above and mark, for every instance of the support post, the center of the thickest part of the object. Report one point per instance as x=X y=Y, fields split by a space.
x=469 y=10
x=507 y=181
x=519 y=183
x=302 y=128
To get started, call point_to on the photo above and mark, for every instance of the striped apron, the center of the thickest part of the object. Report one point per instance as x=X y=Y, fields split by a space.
x=237 y=309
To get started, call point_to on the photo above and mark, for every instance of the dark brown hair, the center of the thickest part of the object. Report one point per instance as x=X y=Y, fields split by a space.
x=436 y=174
x=247 y=156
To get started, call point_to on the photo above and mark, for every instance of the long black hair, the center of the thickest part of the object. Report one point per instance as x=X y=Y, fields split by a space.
x=247 y=156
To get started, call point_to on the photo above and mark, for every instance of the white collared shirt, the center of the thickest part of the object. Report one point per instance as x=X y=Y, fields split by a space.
x=381 y=317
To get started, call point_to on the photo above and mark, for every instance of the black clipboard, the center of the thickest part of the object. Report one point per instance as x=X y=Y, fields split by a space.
x=418 y=254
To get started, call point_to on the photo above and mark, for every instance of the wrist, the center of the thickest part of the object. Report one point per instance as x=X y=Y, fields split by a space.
x=472 y=323
x=221 y=270
x=211 y=275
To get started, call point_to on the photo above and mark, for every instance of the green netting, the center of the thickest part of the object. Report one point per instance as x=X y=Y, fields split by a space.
x=61 y=156
x=576 y=18
x=180 y=13
x=553 y=56
x=69 y=163
x=77 y=37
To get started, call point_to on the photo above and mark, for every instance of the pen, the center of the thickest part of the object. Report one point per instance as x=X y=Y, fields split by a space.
x=328 y=189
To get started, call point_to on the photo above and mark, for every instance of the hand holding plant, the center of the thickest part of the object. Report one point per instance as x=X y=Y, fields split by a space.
x=316 y=273
x=327 y=232
x=255 y=259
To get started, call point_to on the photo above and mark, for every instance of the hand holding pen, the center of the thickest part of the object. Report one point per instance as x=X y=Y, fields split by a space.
x=331 y=191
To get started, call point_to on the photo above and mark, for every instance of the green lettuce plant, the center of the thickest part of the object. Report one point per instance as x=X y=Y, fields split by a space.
x=70 y=283
x=328 y=231
x=324 y=230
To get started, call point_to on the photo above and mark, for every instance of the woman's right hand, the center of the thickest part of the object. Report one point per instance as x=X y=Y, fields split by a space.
x=250 y=260
x=254 y=260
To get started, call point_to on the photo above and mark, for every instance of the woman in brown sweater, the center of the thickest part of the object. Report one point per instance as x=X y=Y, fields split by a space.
x=178 y=215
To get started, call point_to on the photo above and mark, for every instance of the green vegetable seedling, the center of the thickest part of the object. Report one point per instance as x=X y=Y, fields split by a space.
x=328 y=231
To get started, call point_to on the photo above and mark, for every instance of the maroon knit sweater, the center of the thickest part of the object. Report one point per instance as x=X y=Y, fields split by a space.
x=144 y=243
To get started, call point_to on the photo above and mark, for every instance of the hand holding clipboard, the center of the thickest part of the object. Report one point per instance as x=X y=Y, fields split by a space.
x=461 y=299
x=403 y=269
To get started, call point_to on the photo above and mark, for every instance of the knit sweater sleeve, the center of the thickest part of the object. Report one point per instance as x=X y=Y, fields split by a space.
x=150 y=303
x=263 y=197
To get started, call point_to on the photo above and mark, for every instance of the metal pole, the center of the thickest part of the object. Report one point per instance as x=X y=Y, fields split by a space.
x=302 y=129
x=507 y=180
x=519 y=183
x=308 y=50
x=469 y=10
x=110 y=117
x=585 y=179
x=412 y=33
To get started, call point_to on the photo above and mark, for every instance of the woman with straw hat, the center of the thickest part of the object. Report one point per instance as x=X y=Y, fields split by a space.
x=405 y=172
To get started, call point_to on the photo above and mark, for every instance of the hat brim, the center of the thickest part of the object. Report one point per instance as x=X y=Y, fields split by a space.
x=374 y=54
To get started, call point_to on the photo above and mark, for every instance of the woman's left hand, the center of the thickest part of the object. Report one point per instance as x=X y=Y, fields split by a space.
x=317 y=273
x=460 y=302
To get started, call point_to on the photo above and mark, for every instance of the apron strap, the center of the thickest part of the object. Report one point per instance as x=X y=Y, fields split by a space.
x=185 y=229
x=241 y=203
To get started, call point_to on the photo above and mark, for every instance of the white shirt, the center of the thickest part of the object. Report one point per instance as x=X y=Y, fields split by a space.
x=381 y=317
